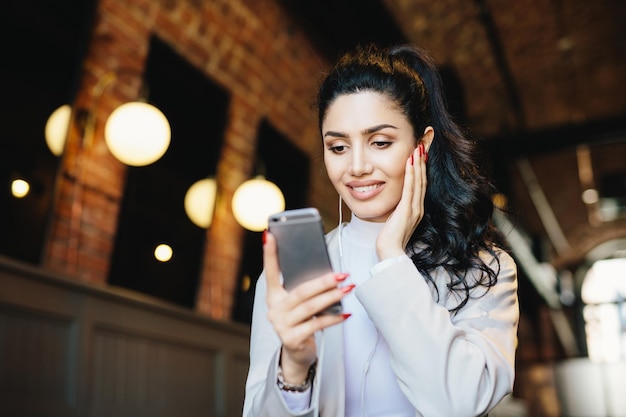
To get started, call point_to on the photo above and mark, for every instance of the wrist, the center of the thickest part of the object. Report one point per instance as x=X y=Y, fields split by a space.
x=295 y=369
x=298 y=386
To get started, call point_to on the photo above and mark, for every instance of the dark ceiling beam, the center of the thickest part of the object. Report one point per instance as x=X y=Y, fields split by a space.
x=544 y=141
x=506 y=149
x=336 y=26
x=503 y=66
x=519 y=141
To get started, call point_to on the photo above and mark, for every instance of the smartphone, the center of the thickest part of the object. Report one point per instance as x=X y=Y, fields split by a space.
x=302 y=252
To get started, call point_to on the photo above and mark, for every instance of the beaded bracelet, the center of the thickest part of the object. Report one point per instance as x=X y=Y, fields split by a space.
x=285 y=386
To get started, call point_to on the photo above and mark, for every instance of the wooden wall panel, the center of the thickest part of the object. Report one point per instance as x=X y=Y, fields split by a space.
x=37 y=365
x=132 y=372
x=74 y=349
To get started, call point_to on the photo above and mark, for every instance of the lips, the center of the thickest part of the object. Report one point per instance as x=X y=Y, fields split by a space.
x=365 y=188
x=365 y=191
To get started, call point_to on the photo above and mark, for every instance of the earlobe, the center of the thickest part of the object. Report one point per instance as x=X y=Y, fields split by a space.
x=427 y=137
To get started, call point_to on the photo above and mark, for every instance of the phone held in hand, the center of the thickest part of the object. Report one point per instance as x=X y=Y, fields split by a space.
x=302 y=252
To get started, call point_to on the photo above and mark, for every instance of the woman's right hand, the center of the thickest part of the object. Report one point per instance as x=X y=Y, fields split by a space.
x=293 y=313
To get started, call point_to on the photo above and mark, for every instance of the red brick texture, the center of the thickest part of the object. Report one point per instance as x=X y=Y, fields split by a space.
x=252 y=50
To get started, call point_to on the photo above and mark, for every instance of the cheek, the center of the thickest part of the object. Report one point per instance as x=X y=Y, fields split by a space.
x=394 y=168
x=333 y=172
x=395 y=177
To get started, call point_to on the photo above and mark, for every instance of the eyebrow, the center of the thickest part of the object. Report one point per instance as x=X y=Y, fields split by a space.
x=367 y=131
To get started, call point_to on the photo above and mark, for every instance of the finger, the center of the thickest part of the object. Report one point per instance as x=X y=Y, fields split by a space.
x=422 y=179
x=419 y=177
x=314 y=293
x=270 y=262
x=406 y=199
x=285 y=320
x=297 y=334
x=410 y=181
x=315 y=306
x=415 y=166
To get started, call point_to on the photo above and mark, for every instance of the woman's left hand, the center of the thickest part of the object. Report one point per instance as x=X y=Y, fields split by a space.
x=401 y=224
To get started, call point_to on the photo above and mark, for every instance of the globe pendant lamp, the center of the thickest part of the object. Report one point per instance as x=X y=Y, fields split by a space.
x=200 y=202
x=137 y=133
x=254 y=201
x=56 y=129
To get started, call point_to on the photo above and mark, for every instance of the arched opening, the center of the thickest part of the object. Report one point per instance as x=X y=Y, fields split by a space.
x=602 y=287
x=592 y=385
x=603 y=293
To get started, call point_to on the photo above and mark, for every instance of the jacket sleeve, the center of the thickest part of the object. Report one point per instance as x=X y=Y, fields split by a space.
x=263 y=398
x=446 y=365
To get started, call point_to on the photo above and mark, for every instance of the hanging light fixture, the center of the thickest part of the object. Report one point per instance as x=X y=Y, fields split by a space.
x=56 y=129
x=20 y=188
x=254 y=201
x=137 y=133
x=163 y=252
x=200 y=202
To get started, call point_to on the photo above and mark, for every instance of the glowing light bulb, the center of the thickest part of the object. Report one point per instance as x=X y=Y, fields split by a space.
x=163 y=252
x=254 y=201
x=20 y=188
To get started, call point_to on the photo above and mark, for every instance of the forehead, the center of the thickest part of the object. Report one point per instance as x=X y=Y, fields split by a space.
x=364 y=108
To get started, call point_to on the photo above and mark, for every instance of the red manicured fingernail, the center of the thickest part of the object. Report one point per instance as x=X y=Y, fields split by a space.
x=341 y=277
x=347 y=288
x=412 y=161
x=346 y=315
x=425 y=157
x=264 y=236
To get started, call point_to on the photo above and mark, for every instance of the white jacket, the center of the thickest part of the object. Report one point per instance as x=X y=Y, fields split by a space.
x=446 y=365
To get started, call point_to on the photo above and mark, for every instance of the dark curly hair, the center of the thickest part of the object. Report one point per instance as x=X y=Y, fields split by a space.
x=457 y=222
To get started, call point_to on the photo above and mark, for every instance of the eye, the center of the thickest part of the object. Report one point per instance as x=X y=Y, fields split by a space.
x=381 y=144
x=337 y=148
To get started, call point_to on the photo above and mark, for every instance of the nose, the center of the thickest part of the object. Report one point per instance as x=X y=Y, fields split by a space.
x=360 y=163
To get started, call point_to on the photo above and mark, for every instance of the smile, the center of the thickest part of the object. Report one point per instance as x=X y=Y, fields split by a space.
x=365 y=188
x=364 y=192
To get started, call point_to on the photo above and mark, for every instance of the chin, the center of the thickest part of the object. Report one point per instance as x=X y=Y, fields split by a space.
x=372 y=216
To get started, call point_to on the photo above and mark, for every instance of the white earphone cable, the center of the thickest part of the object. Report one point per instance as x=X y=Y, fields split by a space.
x=340 y=227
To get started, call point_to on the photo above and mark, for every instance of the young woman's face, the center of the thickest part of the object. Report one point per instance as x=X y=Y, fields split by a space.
x=367 y=141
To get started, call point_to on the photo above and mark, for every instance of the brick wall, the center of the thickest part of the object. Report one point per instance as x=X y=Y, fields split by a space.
x=248 y=47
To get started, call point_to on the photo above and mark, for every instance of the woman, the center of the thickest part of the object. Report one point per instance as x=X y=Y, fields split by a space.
x=430 y=299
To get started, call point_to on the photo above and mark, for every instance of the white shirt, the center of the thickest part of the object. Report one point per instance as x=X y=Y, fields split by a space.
x=446 y=365
x=371 y=386
x=370 y=383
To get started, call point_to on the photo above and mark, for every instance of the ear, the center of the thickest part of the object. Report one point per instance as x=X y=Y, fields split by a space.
x=427 y=137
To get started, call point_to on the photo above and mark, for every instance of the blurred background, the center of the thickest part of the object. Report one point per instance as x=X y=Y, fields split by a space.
x=127 y=269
